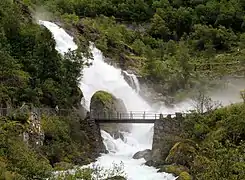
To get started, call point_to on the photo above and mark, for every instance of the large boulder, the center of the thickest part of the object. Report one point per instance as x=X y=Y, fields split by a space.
x=105 y=105
x=146 y=154
x=182 y=153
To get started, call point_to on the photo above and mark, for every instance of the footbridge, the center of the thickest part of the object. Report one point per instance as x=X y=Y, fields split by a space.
x=140 y=117
x=130 y=117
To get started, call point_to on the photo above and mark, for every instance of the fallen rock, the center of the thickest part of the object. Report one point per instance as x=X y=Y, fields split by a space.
x=146 y=154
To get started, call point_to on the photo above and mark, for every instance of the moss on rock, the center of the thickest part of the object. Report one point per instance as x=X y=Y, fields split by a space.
x=184 y=176
x=102 y=96
x=182 y=153
x=173 y=169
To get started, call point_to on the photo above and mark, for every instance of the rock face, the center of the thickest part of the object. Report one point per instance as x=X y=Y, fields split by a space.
x=130 y=78
x=166 y=134
x=34 y=136
x=92 y=131
x=104 y=104
x=146 y=154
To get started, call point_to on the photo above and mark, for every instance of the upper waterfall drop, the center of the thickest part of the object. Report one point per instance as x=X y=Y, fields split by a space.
x=102 y=76
x=64 y=41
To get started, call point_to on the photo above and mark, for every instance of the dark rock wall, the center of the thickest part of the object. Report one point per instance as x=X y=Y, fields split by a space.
x=92 y=131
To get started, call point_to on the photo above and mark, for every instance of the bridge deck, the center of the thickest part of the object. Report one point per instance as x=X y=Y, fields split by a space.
x=131 y=117
x=139 y=121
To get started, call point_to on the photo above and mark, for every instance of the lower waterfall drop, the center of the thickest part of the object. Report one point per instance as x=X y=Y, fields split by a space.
x=101 y=76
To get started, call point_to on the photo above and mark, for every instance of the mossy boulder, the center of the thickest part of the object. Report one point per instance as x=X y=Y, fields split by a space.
x=173 y=169
x=105 y=105
x=184 y=176
x=182 y=153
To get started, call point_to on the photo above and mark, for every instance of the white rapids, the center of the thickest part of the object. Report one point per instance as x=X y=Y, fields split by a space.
x=102 y=76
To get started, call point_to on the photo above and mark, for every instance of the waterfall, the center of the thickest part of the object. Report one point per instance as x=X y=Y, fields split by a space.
x=102 y=76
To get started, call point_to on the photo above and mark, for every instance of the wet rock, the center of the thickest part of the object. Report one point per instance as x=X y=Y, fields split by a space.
x=118 y=135
x=129 y=78
x=146 y=154
x=150 y=163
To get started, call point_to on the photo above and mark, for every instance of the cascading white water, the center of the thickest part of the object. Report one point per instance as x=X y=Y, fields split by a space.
x=101 y=76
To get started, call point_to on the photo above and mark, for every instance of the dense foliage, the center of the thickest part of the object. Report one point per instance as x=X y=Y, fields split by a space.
x=31 y=68
x=220 y=137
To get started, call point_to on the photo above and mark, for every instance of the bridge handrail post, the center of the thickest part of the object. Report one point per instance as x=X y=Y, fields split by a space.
x=117 y=115
x=144 y=115
x=120 y=115
x=131 y=115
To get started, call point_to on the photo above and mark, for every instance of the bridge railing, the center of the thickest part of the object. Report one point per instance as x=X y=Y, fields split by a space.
x=127 y=115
